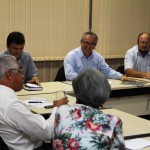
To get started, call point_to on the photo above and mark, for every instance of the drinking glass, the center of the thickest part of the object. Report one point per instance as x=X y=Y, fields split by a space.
x=60 y=95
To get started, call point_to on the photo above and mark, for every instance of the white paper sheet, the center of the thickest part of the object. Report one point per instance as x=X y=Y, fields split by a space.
x=136 y=144
x=37 y=102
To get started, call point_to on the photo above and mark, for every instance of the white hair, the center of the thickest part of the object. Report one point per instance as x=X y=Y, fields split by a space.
x=7 y=62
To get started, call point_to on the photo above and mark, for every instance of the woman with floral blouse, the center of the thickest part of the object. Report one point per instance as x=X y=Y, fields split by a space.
x=83 y=126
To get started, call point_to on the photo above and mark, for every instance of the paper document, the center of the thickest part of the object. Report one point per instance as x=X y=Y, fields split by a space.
x=32 y=87
x=37 y=102
x=136 y=83
x=136 y=144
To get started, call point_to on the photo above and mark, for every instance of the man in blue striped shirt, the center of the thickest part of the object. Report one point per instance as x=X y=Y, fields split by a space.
x=85 y=57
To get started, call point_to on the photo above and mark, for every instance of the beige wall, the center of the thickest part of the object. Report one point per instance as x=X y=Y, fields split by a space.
x=118 y=23
x=51 y=27
x=54 y=27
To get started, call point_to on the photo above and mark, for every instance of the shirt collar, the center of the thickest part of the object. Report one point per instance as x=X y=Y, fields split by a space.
x=81 y=54
x=141 y=54
x=7 y=51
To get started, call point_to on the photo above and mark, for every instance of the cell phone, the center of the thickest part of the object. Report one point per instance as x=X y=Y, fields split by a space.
x=48 y=106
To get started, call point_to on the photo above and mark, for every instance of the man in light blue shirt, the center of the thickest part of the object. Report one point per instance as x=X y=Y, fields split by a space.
x=15 y=46
x=137 y=59
x=85 y=57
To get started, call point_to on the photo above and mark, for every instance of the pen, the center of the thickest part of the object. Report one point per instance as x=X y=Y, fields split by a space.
x=48 y=106
x=34 y=102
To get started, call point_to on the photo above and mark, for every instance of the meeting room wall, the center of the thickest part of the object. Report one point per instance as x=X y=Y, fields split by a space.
x=54 y=27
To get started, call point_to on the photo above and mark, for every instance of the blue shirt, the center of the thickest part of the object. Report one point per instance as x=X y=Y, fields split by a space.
x=27 y=64
x=76 y=61
x=134 y=60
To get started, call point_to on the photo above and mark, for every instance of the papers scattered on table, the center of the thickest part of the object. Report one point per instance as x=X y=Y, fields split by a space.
x=32 y=87
x=136 y=144
x=37 y=102
x=136 y=83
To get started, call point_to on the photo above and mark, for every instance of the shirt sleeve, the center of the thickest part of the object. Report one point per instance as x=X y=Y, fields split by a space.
x=65 y=110
x=106 y=70
x=128 y=61
x=69 y=67
x=32 y=70
x=33 y=125
x=118 y=141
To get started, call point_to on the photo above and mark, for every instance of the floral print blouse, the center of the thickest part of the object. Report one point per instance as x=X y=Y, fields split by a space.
x=81 y=127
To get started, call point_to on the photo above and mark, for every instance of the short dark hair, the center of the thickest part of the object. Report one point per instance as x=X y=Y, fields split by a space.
x=142 y=34
x=91 y=88
x=15 y=37
x=91 y=34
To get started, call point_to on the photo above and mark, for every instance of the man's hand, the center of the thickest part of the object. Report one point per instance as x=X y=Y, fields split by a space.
x=34 y=80
x=147 y=75
x=124 y=78
x=60 y=102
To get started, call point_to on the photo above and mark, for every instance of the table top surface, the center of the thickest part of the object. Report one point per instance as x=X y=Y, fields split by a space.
x=132 y=125
x=48 y=87
x=51 y=87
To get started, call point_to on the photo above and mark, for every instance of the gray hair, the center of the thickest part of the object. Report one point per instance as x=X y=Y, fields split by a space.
x=94 y=35
x=91 y=88
x=7 y=62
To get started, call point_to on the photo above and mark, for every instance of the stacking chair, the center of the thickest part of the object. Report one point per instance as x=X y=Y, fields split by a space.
x=121 y=69
x=60 y=76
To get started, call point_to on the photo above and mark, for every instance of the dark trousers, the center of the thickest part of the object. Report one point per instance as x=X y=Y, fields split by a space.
x=45 y=146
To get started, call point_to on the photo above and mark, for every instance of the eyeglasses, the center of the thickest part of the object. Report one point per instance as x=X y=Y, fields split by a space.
x=17 y=69
x=88 y=43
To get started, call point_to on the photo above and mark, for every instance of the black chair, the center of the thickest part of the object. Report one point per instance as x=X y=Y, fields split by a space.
x=121 y=69
x=3 y=145
x=60 y=76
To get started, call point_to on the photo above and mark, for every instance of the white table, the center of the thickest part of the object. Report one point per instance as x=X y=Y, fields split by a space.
x=48 y=87
x=133 y=126
x=128 y=98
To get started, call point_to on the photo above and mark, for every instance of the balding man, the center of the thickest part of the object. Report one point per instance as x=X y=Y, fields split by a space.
x=137 y=59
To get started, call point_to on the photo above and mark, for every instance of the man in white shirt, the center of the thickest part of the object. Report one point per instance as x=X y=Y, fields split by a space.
x=19 y=127
x=137 y=59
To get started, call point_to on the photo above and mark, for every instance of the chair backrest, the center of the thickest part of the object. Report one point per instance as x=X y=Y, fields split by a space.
x=121 y=69
x=60 y=76
x=3 y=145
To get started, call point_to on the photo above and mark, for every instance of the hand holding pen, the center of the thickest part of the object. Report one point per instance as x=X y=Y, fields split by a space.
x=61 y=99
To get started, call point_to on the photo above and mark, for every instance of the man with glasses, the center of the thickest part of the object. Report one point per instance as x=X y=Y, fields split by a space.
x=19 y=127
x=85 y=57
x=137 y=59
x=15 y=46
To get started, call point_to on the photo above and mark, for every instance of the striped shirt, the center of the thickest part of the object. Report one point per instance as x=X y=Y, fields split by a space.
x=76 y=61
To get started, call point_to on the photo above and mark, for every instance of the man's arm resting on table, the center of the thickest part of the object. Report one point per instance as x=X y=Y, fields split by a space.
x=134 y=73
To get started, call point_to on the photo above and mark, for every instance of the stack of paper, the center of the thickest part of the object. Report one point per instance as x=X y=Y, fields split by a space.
x=136 y=83
x=32 y=87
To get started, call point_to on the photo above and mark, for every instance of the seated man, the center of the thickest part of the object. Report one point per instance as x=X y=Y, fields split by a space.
x=137 y=59
x=85 y=57
x=82 y=125
x=19 y=127
x=15 y=46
